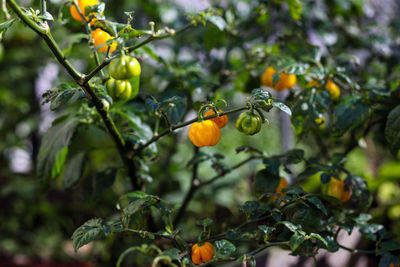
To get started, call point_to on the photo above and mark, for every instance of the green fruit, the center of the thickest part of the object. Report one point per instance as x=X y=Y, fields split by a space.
x=249 y=123
x=120 y=90
x=124 y=68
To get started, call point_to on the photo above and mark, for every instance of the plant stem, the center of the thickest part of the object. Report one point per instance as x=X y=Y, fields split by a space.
x=43 y=7
x=252 y=253
x=159 y=37
x=216 y=177
x=107 y=60
x=4 y=10
x=355 y=251
x=194 y=187
x=174 y=127
x=89 y=32
x=191 y=191
x=77 y=76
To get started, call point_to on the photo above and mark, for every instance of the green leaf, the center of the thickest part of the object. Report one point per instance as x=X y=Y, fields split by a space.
x=325 y=178
x=296 y=240
x=86 y=233
x=4 y=26
x=213 y=37
x=224 y=247
x=291 y=226
x=318 y=203
x=73 y=170
x=272 y=164
x=175 y=108
x=217 y=21
x=388 y=259
x=350 y=114
x=370 y=230
x=317 y=236
x=390 y=245
x=282 y=107
x=265 y=182
x=332 y=244
x=392 y=131
x=62 y=93
x=205 y=222
x=139 y=205
x=363 y=218
x=295 y=8
x=53 y=149
x=60 y=158
x=266 y=229
x=173 y=253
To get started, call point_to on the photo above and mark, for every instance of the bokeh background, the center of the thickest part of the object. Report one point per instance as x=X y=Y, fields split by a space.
x=36 y=221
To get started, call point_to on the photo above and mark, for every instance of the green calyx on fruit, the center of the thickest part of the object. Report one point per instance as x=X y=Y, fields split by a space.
x=120 y=90
x=248 y=123
x=124 y=68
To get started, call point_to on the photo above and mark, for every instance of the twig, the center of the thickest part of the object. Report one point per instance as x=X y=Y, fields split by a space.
x=191 y=191
x=159 y=37
x=355 y=251
x=4 y=10
x=194 y=187
x=216 y=177
x=89 y=32
x=174 y=127
x=252 y=253
x=77 y=76
x=107 y=60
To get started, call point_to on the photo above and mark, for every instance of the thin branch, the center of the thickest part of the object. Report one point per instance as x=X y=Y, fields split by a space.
x=356 y=251
x=194 y=187
x=43 y=7
x=107 y=60
x=174 y=127
x=190 y=193
x=4 y=10
x=28 y=21
x=252 y=253
x=240 y=164
x=98 y=68
x=157 y=37
x=89 y=32
x=77 y=76
x=147 y=233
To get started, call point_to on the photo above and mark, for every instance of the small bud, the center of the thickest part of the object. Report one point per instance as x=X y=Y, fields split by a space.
x=106 y=105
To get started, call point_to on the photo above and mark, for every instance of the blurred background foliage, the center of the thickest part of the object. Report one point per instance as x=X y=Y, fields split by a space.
x=356 y=41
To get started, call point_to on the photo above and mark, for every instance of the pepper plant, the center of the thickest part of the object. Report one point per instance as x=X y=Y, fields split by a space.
x=123 y=108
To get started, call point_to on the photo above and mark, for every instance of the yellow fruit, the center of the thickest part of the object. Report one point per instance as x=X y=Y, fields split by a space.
x=286 y=81
x=204 y=133
x=321 y=122
x=337 y=189
x=82 y=5
x=220 y=121
x=101 y=37
x=333 y=89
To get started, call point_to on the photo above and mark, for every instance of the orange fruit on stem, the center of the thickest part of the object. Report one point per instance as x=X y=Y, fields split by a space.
x=286 y=80
x=282 y=184
x=205 y=133
x=202 y=253
x=101 y=37
x=82 y=5
x=220 y=121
